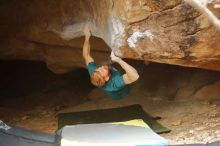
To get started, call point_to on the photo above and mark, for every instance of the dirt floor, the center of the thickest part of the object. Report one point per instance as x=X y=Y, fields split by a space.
x=32 y=96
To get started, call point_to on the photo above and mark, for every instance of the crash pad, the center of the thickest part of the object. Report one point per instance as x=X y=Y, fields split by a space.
x=127 y=133
x=16 y=136
x=118 y=114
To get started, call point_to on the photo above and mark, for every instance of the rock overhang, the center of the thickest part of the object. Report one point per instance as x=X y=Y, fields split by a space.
x=167 y=31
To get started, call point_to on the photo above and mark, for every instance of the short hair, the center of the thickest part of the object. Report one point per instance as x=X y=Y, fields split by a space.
x=97 y=79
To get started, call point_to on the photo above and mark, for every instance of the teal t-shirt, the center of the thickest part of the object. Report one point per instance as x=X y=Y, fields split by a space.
x=115 y=87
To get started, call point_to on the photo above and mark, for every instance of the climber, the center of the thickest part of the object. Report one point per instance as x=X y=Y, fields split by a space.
x=107 y=77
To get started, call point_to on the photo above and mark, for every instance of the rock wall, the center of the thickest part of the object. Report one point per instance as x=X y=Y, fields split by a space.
x=165 y=31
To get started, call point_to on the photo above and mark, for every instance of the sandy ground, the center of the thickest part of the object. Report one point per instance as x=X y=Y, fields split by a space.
x=191 y=120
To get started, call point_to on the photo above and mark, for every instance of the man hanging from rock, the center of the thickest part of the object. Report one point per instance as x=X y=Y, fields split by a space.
x=106 y=77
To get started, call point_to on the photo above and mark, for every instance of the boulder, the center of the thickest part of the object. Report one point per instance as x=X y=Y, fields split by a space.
x=165 y=31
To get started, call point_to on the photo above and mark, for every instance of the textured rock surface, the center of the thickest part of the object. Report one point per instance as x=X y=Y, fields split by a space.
x=165 y=31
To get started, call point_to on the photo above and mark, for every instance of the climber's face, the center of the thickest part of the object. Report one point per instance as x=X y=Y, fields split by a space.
x=104 y=71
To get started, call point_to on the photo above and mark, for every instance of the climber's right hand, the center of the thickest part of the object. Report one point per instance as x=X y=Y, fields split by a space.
x=87 y=31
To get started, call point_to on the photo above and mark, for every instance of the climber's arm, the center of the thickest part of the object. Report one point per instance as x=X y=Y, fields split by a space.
x=86 y=47
x=131 y=74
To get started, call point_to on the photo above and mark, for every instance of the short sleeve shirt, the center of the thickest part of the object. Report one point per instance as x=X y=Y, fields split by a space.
x=115 y=87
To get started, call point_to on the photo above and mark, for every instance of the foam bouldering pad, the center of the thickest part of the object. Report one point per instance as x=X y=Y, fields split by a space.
x=128 y=133
x=15 y=136
x=118 y=114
